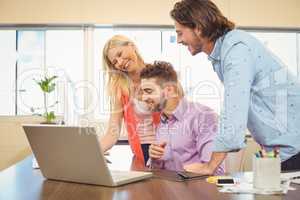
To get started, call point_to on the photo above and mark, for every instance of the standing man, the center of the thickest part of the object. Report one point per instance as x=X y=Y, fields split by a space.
x=186 y=131
x=259 y=92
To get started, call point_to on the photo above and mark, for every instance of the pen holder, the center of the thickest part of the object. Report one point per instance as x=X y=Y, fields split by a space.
x=266 y=173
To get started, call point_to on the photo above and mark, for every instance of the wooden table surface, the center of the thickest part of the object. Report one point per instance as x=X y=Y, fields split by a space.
x=21 y=181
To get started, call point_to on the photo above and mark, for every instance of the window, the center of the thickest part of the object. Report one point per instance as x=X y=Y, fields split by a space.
x=7 y=71
x=75 y=56
x=64 y=54
x=30 y=67
x=30 y=54
x=284 y=46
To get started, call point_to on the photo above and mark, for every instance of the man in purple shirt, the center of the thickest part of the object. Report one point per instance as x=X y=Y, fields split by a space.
x=186 y=131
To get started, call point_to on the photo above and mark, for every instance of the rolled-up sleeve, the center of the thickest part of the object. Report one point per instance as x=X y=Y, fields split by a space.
x=238 y=72
x=206 y=133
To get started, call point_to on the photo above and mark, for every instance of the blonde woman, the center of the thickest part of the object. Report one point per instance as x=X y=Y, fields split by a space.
x=123 y=64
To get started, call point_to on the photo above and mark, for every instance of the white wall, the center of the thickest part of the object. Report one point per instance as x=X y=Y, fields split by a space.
x=259 y=13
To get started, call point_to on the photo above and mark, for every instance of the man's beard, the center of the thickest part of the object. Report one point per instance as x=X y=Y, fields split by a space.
x=160 y=106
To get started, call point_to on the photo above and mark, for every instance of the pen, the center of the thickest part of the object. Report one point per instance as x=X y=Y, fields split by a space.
x=108 y=161
x=270 y=154
x=264 y=152
x=276 y=152
x=260 y=153
x=150 y=165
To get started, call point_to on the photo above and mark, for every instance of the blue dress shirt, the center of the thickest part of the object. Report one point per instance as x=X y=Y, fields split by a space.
x=259 y=94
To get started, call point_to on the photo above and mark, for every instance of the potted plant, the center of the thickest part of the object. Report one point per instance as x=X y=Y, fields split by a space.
x=47 y=85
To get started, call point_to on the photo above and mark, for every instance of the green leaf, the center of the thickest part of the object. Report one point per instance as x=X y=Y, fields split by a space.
x=51 y=87
x=50 y=116
x=52 y=78
x=46 y=84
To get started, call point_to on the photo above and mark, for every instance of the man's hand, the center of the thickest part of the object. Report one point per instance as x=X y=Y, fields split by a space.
x=199 y=168
x=156 y=151
x=207 y=168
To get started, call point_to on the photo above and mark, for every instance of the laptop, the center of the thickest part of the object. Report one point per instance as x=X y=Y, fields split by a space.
x=74 y=154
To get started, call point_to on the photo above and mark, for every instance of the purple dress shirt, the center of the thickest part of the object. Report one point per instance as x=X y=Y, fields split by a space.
x=189 y=134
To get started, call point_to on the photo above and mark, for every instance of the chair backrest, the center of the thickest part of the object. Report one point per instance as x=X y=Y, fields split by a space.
x=13 y=143
x=242 y=160
x=252 y=147
x=234 y=161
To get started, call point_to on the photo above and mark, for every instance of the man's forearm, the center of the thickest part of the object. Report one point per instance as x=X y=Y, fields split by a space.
x=216 y=160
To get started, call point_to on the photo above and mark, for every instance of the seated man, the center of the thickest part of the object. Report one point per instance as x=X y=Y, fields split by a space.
x=186 y=131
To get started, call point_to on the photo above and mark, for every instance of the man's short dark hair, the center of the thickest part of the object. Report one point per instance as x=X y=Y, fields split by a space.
x=203 y=15
x=162 y=71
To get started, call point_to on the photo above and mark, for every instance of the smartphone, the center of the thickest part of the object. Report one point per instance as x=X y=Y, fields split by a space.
x=225 y=181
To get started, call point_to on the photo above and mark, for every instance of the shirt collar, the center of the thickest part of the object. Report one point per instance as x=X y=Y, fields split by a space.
x=215 y=54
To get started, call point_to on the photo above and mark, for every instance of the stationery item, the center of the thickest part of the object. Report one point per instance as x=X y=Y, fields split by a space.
x=107 y=161
x=220 y=179
x=296 y=180
x=270 y=154
x=266 y=172
x=261 y=154
x=212 y=179
x=244 y=185
x=247 y=188
x=293 y=176
x=35 y=164
x=276 y=152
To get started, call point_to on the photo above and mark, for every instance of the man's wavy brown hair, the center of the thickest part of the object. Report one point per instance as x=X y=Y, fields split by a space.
x=203 y=15
x=162 y=71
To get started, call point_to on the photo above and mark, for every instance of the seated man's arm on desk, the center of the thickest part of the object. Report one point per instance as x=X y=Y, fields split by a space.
x=205 y=130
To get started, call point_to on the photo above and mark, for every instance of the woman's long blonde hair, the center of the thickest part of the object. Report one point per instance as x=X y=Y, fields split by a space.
x=118 y=82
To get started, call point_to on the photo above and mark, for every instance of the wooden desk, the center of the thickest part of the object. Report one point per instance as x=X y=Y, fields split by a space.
x=22 y=182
